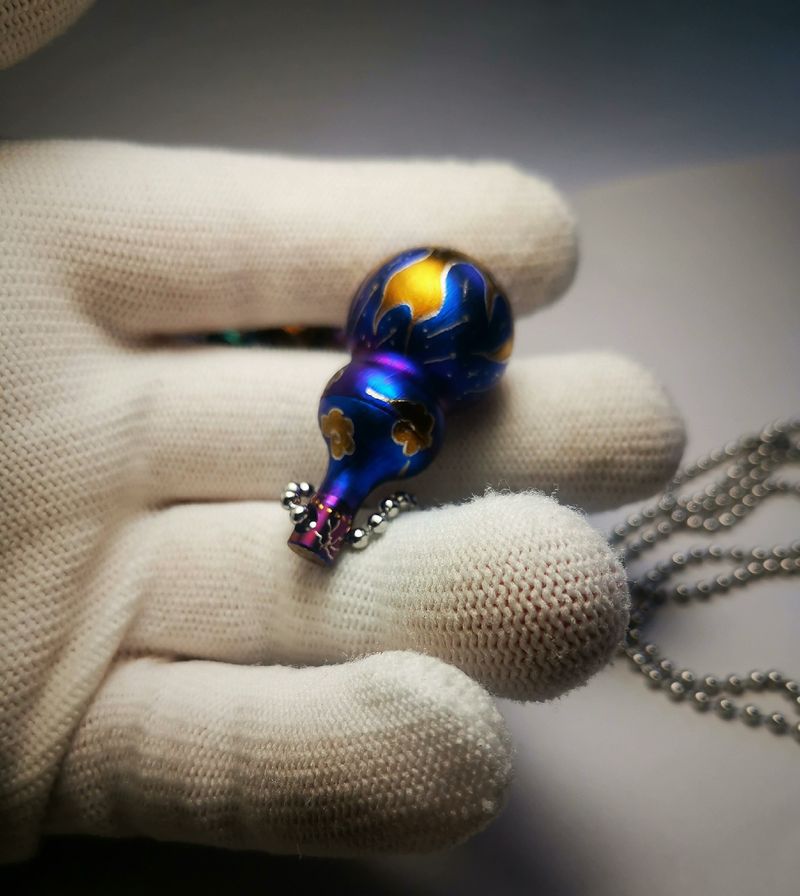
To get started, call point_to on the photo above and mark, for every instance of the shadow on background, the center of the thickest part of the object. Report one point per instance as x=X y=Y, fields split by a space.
x=527 y=850
x=82 y=865
x=581 y=91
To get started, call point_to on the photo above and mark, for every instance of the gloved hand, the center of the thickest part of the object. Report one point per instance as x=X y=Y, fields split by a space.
x=152 y=615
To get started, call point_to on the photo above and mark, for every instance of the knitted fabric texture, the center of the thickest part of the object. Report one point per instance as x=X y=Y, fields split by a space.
x=143 y=553
x=514 y=589
x=27 y=25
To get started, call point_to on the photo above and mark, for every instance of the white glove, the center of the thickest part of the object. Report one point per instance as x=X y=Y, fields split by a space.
x=27 y=25
x=145 y=570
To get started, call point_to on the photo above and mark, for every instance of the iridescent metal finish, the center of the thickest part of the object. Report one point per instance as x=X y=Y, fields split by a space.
x=429 y=331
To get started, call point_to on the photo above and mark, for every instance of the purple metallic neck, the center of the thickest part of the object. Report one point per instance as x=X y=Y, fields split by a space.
x=320 y=536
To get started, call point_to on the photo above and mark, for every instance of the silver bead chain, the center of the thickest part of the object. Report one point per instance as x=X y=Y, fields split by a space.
x=749 y=474
x=297 y=494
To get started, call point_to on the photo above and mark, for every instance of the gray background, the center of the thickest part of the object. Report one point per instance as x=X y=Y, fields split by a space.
x=673 y=128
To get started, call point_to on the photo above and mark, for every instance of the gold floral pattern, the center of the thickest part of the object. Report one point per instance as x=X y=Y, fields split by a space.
x=414 y=431
x=338 y=429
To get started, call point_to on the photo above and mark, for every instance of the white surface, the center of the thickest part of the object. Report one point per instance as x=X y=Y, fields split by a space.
x=619 y=791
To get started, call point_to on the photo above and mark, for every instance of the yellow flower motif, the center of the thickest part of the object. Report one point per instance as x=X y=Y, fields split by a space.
x=414 y=431
x=339 y=430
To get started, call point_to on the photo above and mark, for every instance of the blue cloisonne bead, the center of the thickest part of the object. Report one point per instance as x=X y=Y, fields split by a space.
x=429 y=331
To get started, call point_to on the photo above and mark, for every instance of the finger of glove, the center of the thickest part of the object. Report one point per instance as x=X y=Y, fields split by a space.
x=175 y=240
x=393 y=753
x=27 y=25
x=517 y=591
x=240 y=424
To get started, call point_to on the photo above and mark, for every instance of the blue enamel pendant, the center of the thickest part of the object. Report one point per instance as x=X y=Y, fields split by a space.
x=429 y=332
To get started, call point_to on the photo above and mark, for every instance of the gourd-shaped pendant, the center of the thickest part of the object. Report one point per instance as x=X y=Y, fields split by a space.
x=429 y=332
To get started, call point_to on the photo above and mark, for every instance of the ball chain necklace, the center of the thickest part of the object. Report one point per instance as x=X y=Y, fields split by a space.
x=748 y=474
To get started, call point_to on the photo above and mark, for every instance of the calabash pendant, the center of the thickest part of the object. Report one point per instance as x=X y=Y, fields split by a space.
x=429 y=332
